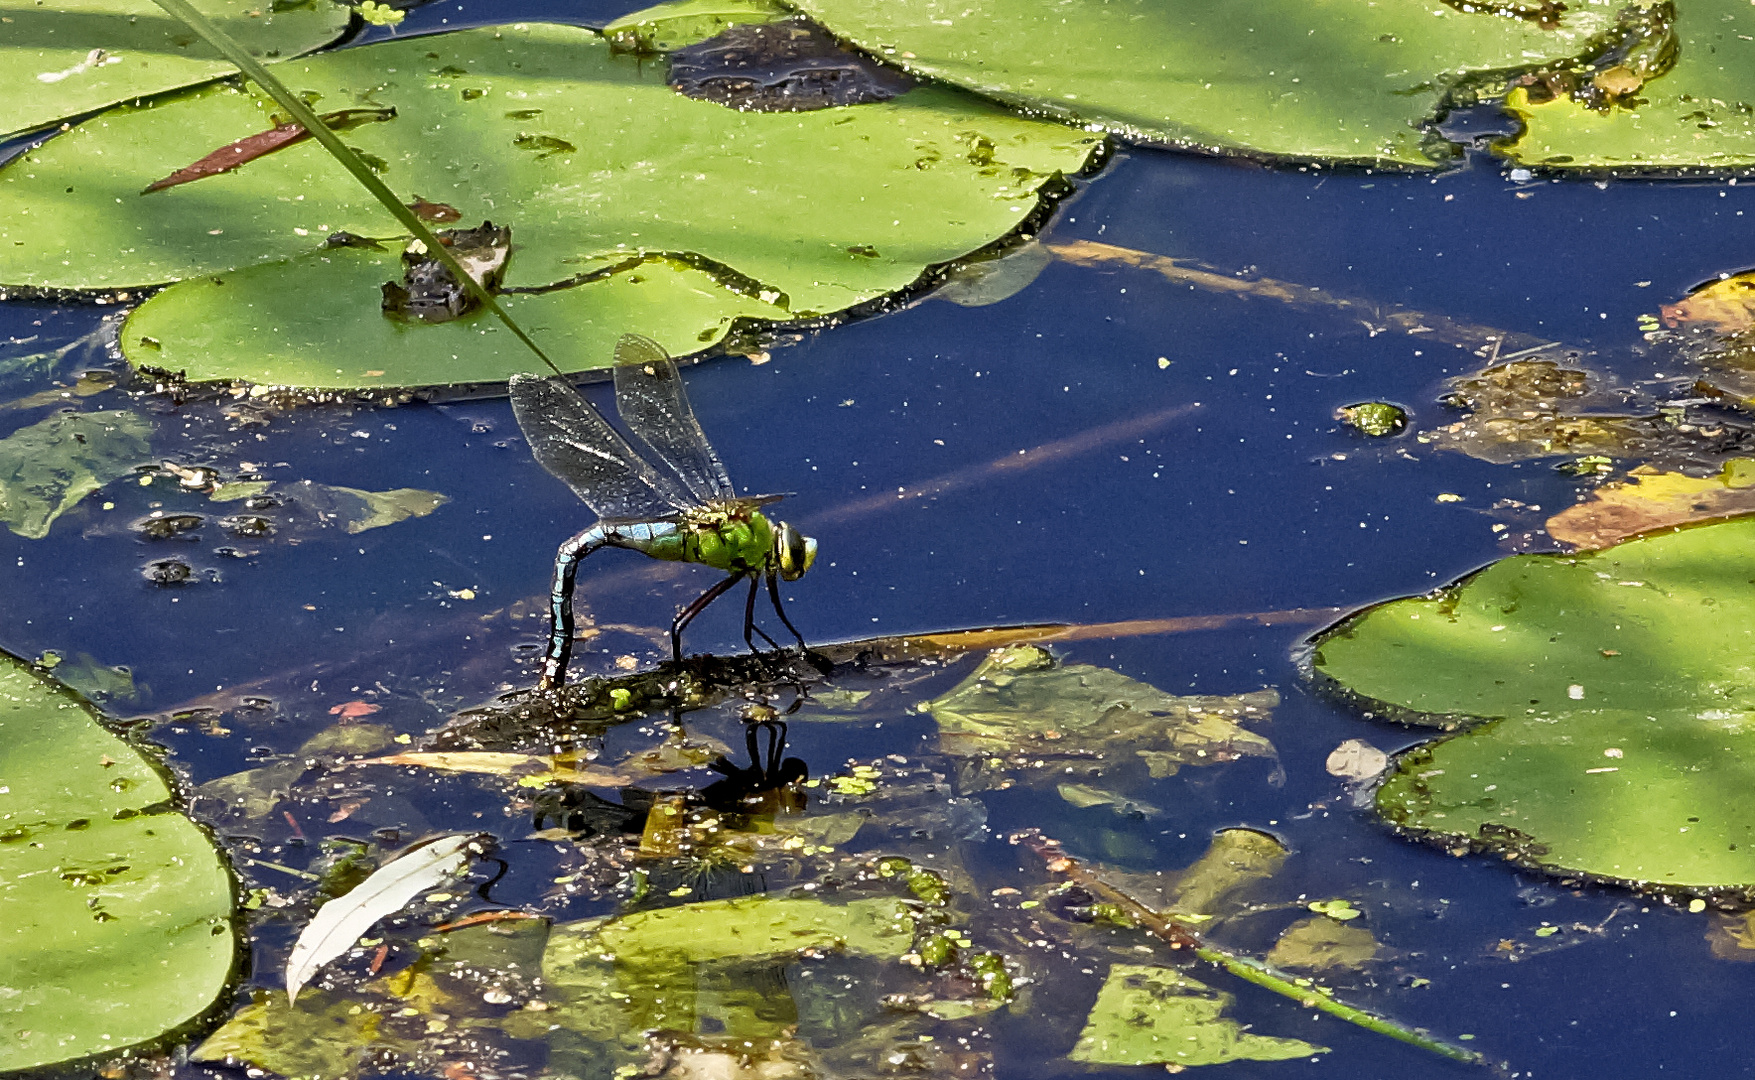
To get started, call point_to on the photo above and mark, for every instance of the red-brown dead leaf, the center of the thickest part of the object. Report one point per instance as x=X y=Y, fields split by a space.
x=484 y=917
x=434 y=211
x=251 y=147
x=353 y=710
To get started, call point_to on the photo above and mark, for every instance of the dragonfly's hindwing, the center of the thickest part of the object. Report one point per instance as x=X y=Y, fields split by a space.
x=572 y=440
x=650 y=397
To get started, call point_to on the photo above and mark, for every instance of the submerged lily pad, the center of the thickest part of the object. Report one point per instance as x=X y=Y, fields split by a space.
x=45 y=469
x=599 y=168
x=115 y=910
x=1699 y=114
x=1351 y=82
x=1021 y=700
x=61 y=60
x=1151 y=1015
x=1615 y=686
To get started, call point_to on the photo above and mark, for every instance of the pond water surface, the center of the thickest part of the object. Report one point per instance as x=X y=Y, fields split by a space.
x=1235 y=491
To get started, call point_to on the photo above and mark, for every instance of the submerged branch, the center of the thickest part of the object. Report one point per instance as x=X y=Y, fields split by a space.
x=1377 y=318
x=1182 y=935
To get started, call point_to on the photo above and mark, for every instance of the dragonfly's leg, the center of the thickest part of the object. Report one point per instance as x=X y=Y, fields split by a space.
x=687 y=615
x=774 y=595
x=749 y=620
x=560 y=605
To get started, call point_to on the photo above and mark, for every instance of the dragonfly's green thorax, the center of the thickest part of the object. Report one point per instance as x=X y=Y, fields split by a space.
x=732 y=542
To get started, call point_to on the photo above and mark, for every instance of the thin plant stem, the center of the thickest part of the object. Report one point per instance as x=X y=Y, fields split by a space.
x=351 y=161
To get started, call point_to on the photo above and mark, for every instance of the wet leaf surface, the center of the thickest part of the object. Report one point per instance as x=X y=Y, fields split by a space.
x=791 y=65
x=59 y=61
x=106 y=890
x=1606 y=705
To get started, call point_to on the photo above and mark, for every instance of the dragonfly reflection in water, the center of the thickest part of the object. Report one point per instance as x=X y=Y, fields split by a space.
x=672 y=500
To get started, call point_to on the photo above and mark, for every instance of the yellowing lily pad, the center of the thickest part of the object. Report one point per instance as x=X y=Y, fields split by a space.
x=1650 y=499
x=1618 y=708
x=1698 y=115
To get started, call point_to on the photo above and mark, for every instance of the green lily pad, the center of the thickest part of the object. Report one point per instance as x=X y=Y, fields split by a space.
x=1331 y=79
x=1616 y=689
x=45 y=469
x=115 y=910
x=1700 y=114
x=1151 y=1015
x=676 y=25
x=75 y=56
x=603 y=173
x=257 y=325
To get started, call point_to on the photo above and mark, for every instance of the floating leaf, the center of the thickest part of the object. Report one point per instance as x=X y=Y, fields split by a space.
x=1725 y=304
x=1649 y=499
x=1341 y=910
x=1324 y=944
x=1281 y=77
x=75 y=56
x=1150 y=1015
x=328 y=1037
x=356 y=510
x=340 y=922
x=1021 y=700
x=810 y=213
x=1695 y=115
x=664 y=27
x=1235 y=860
x=115 y=910
x=1615 y=686
x=45 y=469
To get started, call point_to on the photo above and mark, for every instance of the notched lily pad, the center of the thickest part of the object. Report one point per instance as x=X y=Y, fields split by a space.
x=665 y=27
x=789 y=66
x=1611 y=709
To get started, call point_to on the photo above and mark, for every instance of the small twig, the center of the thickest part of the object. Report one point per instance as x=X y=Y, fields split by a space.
x=1180 y=935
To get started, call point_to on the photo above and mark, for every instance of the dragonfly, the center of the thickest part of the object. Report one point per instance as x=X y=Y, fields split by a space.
x=670 y=499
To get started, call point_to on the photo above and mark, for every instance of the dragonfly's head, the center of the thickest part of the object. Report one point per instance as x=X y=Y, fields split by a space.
x=794 y=551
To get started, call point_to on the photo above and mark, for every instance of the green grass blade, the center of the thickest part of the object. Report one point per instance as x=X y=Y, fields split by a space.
x=299 y=111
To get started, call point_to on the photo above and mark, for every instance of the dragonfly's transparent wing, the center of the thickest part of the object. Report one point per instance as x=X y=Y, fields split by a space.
x=649 y=396
x=572 y=440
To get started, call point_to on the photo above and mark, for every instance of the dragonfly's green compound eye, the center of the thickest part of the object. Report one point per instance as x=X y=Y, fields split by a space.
x=795 y=550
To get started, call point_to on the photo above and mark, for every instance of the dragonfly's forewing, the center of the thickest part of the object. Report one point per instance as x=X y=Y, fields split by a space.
x=649 y=396
x=572 y=440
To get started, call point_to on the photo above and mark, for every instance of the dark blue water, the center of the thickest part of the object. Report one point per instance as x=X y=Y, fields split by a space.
x=1245 y=495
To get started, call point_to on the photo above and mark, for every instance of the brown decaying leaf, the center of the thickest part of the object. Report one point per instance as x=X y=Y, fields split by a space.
x=1726 y=305
x=251 y=147
x=1649 y=499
